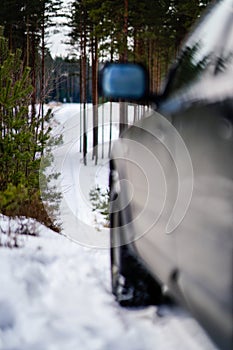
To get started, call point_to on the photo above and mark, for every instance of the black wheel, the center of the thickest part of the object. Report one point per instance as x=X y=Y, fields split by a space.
x=132 y=285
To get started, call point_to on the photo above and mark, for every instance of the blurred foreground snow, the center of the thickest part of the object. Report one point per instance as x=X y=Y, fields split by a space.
x=55 y=295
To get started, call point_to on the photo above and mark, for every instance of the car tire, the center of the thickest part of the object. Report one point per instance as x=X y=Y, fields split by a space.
x=132 y=284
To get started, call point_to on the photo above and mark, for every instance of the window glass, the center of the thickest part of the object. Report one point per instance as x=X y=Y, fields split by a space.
x=208 y=52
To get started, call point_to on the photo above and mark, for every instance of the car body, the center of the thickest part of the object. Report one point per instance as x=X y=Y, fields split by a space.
x=171 y=184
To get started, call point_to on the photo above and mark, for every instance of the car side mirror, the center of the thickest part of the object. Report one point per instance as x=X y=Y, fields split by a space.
x=127 y=81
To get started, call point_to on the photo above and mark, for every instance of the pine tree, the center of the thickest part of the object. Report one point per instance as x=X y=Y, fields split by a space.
x=16 y=138
x=21 y=140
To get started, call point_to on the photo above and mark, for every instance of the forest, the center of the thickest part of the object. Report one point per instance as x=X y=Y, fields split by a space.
x=148 y=32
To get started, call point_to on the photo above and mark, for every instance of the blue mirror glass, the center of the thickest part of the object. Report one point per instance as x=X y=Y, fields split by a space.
x=124 y=81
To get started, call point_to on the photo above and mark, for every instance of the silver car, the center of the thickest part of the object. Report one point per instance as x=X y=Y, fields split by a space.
x=171 y=181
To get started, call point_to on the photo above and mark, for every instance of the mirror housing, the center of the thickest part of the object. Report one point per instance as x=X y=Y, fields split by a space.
x=126 y=81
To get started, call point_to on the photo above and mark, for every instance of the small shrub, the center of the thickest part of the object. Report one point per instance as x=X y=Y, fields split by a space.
x=100 y=202
x=19 y=201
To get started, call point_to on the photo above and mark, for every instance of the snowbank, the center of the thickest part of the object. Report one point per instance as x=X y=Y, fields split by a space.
x=55 y=295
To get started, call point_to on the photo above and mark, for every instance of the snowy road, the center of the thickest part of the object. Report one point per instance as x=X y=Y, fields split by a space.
x=55 y=293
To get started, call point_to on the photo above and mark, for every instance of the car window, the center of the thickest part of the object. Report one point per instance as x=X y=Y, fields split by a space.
x=208 y=53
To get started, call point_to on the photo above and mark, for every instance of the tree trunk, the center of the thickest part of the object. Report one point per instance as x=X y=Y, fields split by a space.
x=80 y=102
x=103 y=130
x=84 y=92
x=124 y=57
x=94 y=54
x=110 y=131
x=33 y=65
x=84 y=109
x=42 y=88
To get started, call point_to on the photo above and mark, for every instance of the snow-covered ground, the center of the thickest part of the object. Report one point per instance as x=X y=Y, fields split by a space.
x=55 y=291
